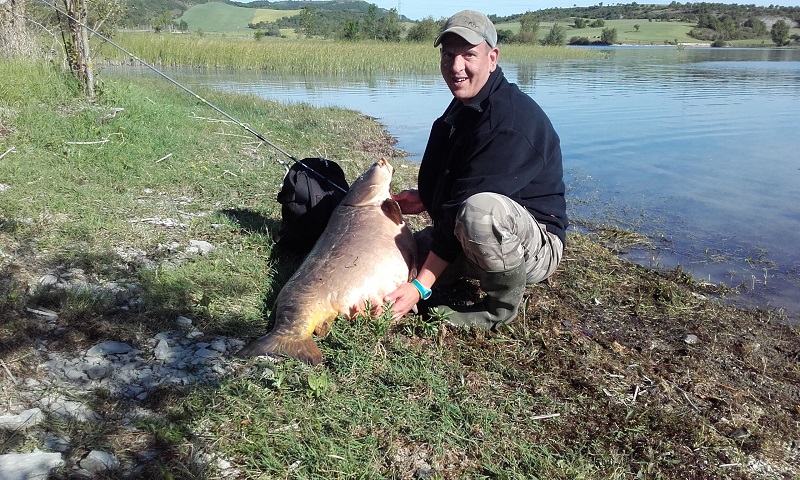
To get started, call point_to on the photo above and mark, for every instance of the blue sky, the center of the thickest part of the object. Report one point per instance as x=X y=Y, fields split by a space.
x=419 y=9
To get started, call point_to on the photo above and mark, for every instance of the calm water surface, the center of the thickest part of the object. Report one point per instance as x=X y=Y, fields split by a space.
x=696 y=148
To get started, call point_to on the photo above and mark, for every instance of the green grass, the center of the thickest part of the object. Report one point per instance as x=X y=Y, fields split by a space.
x=649 y=33
x=593 y=380
x=300 y=57
x=215 y=17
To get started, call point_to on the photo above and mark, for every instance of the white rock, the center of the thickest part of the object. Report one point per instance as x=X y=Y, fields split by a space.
x=109 y=347
x=162 y=350
x=29 y=466
x=183 y=322
x=26 y=419
x=68 y=409
x=99 y=461
x=200 y=246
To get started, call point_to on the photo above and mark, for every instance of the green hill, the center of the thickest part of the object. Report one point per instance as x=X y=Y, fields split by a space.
x=225 y=18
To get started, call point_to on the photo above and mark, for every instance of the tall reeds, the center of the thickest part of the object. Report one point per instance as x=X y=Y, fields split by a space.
x=296 y=57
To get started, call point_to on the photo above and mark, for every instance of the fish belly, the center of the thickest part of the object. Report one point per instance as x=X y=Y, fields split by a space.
x=362 y=256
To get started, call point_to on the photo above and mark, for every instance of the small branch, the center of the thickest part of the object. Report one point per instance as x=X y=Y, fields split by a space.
x=164 y=158
x=10 y=150
x=231 y=134
x=544 y=417
x=213 y=120
x=8 y=372
x=88 y=143
x=635 y=393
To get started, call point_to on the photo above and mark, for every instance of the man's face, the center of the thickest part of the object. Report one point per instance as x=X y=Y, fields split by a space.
x=466 y=68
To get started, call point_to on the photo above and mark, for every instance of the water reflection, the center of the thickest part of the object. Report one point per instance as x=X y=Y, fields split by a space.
x=694 y=147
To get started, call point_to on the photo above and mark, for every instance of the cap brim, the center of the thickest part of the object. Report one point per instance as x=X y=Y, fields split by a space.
x=469 y=35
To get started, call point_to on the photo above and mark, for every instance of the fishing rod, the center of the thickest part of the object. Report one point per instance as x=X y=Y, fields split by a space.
x=198 y=97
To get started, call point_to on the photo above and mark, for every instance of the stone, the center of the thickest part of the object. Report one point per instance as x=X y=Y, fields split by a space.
x=183 y=322
x=200 y=247
x=26 y=419
x=109 y=347
x=691 y=339
x=98 y=461
x=29 y=466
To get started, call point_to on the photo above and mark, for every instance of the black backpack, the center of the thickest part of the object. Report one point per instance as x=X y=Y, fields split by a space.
x=307 y=202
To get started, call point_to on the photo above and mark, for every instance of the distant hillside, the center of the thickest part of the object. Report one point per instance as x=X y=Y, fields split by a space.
x=652 y=23
x=144 y=12
x=675 y=11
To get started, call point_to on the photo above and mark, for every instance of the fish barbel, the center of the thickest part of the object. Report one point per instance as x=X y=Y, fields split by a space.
x=366 y=251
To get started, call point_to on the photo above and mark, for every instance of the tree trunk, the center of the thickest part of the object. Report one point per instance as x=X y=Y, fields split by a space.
x=78 y=52
x=14 y=38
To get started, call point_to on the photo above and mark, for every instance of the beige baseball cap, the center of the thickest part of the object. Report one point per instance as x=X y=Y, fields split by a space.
x=472 y=26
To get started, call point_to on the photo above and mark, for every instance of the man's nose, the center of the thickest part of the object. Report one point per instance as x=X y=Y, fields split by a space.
x=458 y=63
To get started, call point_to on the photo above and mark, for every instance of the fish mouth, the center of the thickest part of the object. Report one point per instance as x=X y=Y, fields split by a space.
x=383 y=163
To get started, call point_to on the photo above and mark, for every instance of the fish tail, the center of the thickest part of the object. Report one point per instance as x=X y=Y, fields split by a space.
x=303 y=349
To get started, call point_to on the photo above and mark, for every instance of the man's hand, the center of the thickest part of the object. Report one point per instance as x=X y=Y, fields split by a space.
x=403 y=298
x=409 y=202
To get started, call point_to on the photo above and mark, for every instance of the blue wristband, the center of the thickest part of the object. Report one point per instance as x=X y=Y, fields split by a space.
x=424 y=293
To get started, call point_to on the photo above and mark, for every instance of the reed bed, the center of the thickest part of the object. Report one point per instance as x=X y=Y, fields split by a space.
x=300 y=57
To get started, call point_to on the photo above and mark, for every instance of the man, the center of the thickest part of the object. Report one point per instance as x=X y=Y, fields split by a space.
x=491 y=179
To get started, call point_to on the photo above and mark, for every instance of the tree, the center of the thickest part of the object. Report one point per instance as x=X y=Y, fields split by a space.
x=80 y=20
x=370 y=22
x=162 y=21
x=390 y=27
x=780 y=33
x=14 y=38
x=425 y=30
x=758 y=26
x=528 y=28
x=351 y=30
x=609 y=36
x=556 y=36
x=308 y=21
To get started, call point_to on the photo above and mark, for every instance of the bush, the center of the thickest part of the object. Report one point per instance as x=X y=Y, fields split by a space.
x=703 y=34
x=719 y=43
x=505 y=36
x=556 y=36
x=609 y=36
x=579 y=41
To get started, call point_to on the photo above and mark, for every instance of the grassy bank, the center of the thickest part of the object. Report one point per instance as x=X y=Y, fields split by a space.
x=611 y=370
x=299 y=57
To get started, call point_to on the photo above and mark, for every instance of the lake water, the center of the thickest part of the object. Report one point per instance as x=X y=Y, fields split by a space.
x=696 y=148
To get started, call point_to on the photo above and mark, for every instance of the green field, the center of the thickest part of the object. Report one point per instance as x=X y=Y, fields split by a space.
x=215 y=17
x=221 y=18
x=649 y=33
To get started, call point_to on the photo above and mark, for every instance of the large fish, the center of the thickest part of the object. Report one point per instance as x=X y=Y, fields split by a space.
x=366 y=251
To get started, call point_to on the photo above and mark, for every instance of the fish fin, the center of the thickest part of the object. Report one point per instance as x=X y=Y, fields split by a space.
x=303 y=349
x=324 y=327
x=392 y=210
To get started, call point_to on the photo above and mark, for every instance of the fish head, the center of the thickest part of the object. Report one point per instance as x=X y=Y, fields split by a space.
x=372 y=187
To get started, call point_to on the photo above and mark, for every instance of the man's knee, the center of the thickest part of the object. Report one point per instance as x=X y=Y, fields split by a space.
x=486 y=228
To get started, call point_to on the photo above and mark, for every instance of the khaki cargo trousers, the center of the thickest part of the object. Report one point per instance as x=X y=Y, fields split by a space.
x=497 y=234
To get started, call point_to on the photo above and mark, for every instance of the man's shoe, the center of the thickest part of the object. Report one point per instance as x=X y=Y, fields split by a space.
x=504 y=291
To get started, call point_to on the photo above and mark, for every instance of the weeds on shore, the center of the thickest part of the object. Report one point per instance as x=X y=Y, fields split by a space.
x=611 y=370
x=300 y=57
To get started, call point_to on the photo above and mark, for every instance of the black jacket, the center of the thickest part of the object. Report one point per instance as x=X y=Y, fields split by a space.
x=501 y=142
